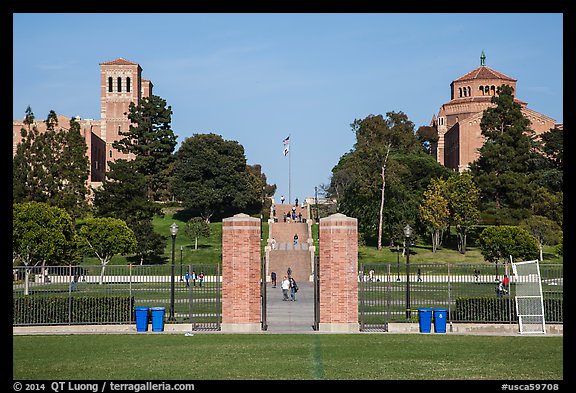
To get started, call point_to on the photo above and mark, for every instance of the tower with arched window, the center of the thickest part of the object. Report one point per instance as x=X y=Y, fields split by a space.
x=458 y=120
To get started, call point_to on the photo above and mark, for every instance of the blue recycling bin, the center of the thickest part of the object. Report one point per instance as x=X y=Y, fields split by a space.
x=158 y=318
x=425 y=319
x=141 y=319
x=440 y=320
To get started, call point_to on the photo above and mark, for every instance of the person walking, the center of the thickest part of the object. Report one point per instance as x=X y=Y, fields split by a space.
x=289 y=272
x=273 y=278
x=285 y=287
x=282 y=199
x=201 y=278
x=194 y=277
x=187 y=277
x=293 y=289
x=295 y=239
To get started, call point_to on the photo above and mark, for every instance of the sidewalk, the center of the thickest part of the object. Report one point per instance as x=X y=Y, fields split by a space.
x=287 y=316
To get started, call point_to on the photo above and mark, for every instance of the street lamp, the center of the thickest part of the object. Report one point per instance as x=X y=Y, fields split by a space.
x=173 y=233
x=408 y=235
x=181 y=249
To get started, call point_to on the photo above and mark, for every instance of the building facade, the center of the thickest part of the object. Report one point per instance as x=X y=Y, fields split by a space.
x=458 y=121
x=121 y=83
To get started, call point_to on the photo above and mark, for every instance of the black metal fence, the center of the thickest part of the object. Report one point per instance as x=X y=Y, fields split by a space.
x=469 y=293
x=69 y=295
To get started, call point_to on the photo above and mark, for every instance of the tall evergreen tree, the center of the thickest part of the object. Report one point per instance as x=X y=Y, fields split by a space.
x=503 y=170
x=151 y=140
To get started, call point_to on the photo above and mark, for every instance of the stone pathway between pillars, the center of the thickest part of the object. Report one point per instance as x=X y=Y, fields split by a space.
x=287 y=316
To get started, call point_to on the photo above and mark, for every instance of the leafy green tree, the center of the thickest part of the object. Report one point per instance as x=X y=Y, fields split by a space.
x=151 y=140
x=498 y=243
x=41 y=235
x=434 y=211
x=211 y=177
x=197 y=227
x=543 y=229
x=106 y=237
x=463 y=198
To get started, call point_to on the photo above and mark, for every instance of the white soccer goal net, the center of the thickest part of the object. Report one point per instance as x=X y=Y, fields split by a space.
x=529 y=301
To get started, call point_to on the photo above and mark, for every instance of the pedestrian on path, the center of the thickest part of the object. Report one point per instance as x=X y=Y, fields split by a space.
x=187 y=277
x=273 y=278
x=293 y=289
x=295 y=239
x=282 y=199
x=285 y=288
x=201 y=278
x=289 y=272
x=194 y=277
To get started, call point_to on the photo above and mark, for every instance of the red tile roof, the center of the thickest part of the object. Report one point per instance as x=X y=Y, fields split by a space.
x=484 y=72
x=119 y=61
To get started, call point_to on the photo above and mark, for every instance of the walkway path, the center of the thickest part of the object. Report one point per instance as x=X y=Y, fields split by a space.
x=287 y=316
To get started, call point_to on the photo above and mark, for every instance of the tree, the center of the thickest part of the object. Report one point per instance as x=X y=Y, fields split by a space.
x=543 y=229
x=463 y=204
x=52 y=166
x=106 y=237
x=42 y=234
x=503 y=169
x=211 y=177
x=197 y=227
x=498 y=243
x=123 y=195
x=152 y=141
x=376 y=139
x=434 y=211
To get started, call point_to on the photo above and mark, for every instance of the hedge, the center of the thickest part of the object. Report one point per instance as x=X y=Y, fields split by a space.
x=52 y=310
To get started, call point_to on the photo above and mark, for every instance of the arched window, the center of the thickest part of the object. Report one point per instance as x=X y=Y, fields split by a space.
x=486 y=90
x=128 y=84
x=492 y=90
x=110 y=153
x=481 y=88
x=119 y=84
x=459 y=92
x=469 y=94
x=110 y=84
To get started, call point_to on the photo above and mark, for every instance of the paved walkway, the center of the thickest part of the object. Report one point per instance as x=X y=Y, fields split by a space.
x=288 y=316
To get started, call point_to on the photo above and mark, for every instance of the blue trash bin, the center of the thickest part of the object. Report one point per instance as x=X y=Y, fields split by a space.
x=440 y=320
x=425 y=319
x=141 y=319
x=158 y=318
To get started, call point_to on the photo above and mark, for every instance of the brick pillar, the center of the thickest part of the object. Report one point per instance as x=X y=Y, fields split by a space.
x=241 y=307
x=338 y=274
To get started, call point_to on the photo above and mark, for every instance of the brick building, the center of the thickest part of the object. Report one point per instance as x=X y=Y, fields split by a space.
x=120 y=84
x=458 y=121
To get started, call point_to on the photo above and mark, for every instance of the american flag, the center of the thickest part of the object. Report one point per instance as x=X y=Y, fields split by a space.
x=287 y=140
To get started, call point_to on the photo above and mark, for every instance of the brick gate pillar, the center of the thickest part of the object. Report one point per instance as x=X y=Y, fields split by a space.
x=338 y=274
x=241 y=305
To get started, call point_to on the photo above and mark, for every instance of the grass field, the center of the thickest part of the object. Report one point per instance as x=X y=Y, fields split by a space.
x=298 y=357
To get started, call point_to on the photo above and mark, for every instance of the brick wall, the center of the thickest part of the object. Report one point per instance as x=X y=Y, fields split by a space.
x=338 y=274
x=241 y=309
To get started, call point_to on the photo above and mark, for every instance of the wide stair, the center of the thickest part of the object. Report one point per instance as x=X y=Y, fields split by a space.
x=281 y=252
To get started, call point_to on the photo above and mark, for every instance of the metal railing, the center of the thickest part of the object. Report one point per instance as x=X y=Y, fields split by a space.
x=92 y=295
x=469 y=293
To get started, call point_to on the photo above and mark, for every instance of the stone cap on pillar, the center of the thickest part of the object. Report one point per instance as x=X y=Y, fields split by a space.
x=338 y=220
x=241 y=220
x=240 y=217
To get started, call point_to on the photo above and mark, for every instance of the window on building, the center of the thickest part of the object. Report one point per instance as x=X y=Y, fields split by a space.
x=492 y=90
x=110 y=153
x=469 y=91
x=128 y=84
x=119 y=129
x=110 y=84
x=459 y=92
x=119 y=84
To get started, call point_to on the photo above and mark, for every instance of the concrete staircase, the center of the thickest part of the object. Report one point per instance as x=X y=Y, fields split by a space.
x=281 y=253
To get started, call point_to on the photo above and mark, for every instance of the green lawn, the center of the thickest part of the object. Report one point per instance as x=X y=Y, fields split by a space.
x=300 y=357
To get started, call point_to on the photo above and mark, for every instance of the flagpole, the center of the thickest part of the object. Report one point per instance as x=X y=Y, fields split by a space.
x=289 y=175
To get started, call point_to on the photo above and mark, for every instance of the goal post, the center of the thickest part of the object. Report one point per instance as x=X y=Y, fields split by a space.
x=529 y=300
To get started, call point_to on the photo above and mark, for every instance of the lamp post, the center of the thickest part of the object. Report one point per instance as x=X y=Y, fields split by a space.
x=398 y=261
x=173 y=233
x=407 y=235
x=181 y=249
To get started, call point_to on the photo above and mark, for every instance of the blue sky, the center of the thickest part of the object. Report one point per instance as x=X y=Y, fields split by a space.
x=257 y=78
